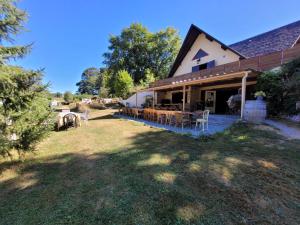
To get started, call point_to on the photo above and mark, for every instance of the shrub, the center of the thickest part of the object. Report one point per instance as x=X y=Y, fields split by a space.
x=80 y=107
x=282 y=88
x=68 y=97
x=123 y=84
x=96 y=105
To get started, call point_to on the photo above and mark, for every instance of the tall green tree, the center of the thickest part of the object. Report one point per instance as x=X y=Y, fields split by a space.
x=136 y=49
x=90 y=81
x=11 y=23
x=25 y=115
x=123 y=84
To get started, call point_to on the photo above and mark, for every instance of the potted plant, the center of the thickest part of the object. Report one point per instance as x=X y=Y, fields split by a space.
x=259 y=95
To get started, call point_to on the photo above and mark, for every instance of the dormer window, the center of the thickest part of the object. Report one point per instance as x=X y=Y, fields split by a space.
x=203 y=66
x=200 y=54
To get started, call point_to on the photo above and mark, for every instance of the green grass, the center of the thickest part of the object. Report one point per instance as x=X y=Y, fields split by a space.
x=114 y=171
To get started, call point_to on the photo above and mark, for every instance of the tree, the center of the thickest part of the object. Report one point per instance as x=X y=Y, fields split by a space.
x=25 y=115
x=123 y=84
x=57 y=95
x=149 y=78
x=136 y=50
x=282 y=88
x=90 y=81
x=68 y=97
x=11 y=23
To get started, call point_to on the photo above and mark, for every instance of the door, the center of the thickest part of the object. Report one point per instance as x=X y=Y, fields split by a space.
x=210 y=101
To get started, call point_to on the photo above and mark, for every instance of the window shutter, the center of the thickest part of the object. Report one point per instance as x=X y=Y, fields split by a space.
x=195 y=69
x=211 y=64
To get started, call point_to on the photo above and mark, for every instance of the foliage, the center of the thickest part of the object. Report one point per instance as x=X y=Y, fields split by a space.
x=11 y=23
x=123 y=84
x=81 y=96
x=68 y=97
x=149 y=78
x=136 y=50
x=90 y=81
x=57 y=95
x=24 y=112
x=260 y=94
x=106 y=84
x=282 y=88
x=25 y=115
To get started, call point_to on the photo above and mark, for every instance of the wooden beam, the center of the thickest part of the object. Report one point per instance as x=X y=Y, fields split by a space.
x=136 y=99
x=203 y=81
x=244 y=85
x=153 y=99
x=227 y=85
x=183 y=101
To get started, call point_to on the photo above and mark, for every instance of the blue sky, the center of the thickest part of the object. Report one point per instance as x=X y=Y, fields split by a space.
x=71 y=35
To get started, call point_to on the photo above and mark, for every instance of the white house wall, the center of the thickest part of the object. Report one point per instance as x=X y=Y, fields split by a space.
x=141 y=97
x=214 y=50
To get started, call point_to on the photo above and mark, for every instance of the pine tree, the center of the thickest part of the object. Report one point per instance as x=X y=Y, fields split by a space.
x=25 y=115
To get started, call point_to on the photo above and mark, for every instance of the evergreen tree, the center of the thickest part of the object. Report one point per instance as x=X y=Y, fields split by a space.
x=25 y=115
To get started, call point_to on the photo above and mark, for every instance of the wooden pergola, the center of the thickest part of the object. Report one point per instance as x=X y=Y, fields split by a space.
x=212 y=82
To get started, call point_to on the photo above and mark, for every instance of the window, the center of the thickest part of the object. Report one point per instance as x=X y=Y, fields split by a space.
x=203 y=66
x=177 y=97
x=200 y=54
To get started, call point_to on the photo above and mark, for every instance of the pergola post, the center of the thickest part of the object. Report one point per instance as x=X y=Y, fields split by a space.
x=183 y=100
x=136 y=98
x=153 y=101
x=244 y=86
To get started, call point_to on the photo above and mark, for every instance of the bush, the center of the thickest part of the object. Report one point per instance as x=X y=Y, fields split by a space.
x=95 y=105
x=123 y=84
x=79 y=97
x=282 y=88
x=68 y=97
x=80 y=107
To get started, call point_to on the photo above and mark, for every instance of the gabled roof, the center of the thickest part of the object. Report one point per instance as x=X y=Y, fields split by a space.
x=188 y=42
x=271 y=41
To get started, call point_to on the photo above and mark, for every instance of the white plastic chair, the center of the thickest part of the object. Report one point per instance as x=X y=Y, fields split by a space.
x=203 y=121
x=85 y=116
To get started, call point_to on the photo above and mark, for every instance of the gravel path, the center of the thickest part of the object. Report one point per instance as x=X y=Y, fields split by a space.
x=287 y=131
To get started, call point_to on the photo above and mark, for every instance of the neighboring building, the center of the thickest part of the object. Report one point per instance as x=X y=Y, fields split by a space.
x=207 y=72
x=54 y=103
x=138 y=99
x=86 y=101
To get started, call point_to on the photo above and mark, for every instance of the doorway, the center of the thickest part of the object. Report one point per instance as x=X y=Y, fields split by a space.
x=222 y=97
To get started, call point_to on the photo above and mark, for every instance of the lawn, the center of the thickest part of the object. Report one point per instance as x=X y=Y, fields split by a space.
x=114 y=171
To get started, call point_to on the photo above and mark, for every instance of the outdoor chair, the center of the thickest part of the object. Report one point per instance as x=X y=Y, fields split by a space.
x=161 y=118
x=203 y=121
x=196 y=115
x=69 y=120
x=170 y=118
x=183 y=120
x=136 y=113
x=85 y=116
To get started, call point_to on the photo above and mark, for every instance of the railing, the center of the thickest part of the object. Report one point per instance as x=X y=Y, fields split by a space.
x=259 y=63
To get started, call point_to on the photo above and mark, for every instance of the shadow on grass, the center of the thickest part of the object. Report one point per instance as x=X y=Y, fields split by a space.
x=105 y=117
x=161 y=178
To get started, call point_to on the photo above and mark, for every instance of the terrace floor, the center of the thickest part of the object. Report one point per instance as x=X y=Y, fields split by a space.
x=216 y=123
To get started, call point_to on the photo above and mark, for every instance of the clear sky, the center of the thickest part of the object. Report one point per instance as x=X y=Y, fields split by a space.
x=71 y=35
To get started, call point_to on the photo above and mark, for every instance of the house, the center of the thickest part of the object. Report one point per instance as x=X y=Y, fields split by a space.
x=207 y=72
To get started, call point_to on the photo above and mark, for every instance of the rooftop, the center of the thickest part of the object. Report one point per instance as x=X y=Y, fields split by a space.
x=275 y=40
